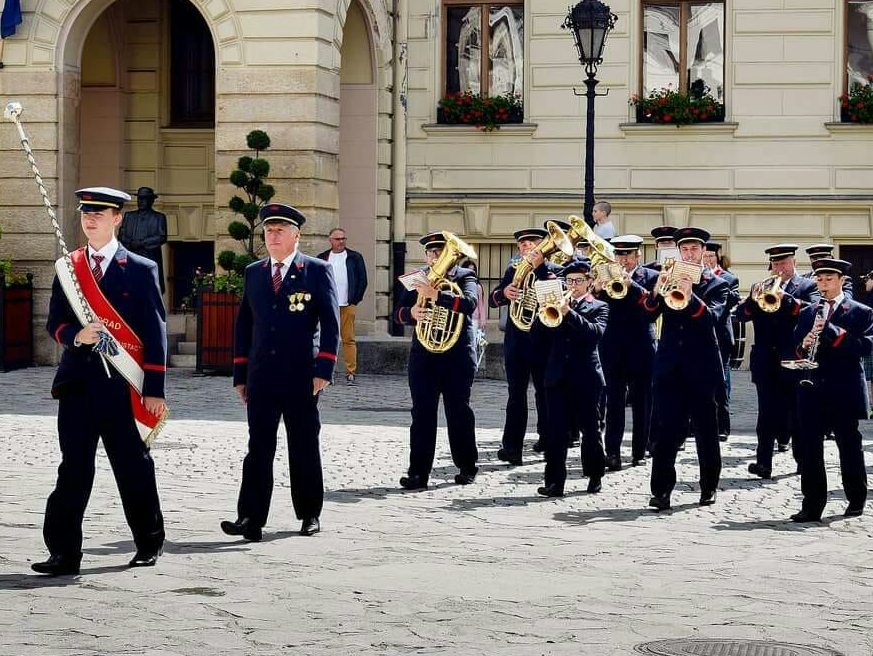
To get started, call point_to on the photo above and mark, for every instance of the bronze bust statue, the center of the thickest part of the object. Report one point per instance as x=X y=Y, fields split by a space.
x=144 y=230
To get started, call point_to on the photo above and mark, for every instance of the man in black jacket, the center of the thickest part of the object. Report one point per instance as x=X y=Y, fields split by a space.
x=350 y=276
x=836 y=333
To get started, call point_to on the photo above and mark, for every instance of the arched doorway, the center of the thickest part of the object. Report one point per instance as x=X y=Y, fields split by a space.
x=147 y=118
x=358 y=151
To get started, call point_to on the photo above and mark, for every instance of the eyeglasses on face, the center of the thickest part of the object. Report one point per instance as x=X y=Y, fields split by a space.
x=575 y=281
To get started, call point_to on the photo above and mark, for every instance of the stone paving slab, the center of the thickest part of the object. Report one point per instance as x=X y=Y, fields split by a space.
x=490 y=568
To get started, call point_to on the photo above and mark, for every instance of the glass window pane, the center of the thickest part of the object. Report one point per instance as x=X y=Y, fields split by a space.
x=706 y=49
x=859 y=58
x=506 y=51
x=660 y=47
x=463 y=49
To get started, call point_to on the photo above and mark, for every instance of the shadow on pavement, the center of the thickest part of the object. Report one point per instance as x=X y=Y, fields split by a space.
x=582 y=517
x=777 y=524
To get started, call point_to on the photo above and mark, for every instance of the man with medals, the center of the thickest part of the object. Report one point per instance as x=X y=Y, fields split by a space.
x=109 y=383
x=522 y=362
x=286 y=340
x=573 y=378
x=446 y=373
x=687 y=368
x=832 y=336
x=627 y=352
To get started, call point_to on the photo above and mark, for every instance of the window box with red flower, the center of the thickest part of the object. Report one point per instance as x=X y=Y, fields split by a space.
x=857 y=105
x=483 y=112
x=669 y=107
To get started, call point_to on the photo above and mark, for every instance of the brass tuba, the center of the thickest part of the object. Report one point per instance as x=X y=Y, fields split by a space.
x=441 y=329
x=523 y=310
x=601 y=252
x=766 y=296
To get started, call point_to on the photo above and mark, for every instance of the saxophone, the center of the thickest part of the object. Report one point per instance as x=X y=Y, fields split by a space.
x=442 y=327
x=523 y=310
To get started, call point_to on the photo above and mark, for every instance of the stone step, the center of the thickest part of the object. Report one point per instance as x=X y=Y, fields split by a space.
x=183 y=361
x=186 y=348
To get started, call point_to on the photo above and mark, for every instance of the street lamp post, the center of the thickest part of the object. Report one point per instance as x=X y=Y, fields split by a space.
x=590 y=21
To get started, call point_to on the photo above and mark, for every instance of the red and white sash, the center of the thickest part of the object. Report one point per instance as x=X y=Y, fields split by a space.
x=129 y=361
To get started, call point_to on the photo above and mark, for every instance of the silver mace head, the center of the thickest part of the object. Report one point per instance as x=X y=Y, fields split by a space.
x=13 y=111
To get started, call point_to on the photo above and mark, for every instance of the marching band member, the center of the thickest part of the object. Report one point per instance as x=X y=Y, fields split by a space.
x=449 y=374
x=574 y=380
x=687 y=372
x=627 y=352
x=521 y=360
x=819 y=251
x=663 y=239
x=777 y=420
x=97 y=402
x=725 y=333
x=836 y=333
x=287 y=335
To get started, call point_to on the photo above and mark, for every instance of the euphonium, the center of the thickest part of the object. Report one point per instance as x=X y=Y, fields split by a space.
x=766 y=296
x=523 y=310
x=600 y=252
x=440 y=330
x=673 y=295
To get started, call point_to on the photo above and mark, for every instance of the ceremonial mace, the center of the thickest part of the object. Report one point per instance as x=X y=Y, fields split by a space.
x=105 y=345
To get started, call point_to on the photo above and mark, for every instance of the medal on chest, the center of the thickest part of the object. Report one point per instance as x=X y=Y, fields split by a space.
x=297 y=301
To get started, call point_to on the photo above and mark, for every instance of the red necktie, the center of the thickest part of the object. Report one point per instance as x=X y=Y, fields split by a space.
x=97 y=270
x=277 y=277
x=830 y=311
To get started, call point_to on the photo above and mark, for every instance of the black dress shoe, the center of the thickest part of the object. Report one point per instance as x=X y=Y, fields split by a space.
x=594 y=486
x=708 y=498
x=636 y=462
x=550 y=491
x=58 y=566
x=613 y=463
x=854 y=510
x=413 y=482
x=511 y=457
x=244 y=527
x=310 y=526
x=538 y=446
x=805 y=516
x=760 y=470
x=145 y=558
x=660 y=502
x=722 y=437
x=465 y=478
x=782 y=448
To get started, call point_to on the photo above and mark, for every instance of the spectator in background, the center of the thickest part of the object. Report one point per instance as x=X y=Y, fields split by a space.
x=604 y=228
x=350 y=274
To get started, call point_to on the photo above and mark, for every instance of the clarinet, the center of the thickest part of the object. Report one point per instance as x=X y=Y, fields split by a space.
x=812 y=353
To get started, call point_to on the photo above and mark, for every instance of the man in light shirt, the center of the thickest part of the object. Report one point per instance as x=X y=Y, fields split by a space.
x=350 y=275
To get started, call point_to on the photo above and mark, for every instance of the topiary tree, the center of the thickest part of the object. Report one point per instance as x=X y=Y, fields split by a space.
x=255 y=193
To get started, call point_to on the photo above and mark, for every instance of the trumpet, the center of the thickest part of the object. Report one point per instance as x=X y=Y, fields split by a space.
x=673 y=296
x=765 y=295
x=615 y=280
x=549 y=313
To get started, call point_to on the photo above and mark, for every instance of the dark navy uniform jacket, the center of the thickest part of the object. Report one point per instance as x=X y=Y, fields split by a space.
x=688 y=338
x=774 y=339
x=572 y=352
x=130 y=284
x=274 y=344
x=845 y=340
x=725 y=328
x=630 y=335
x=465 y=303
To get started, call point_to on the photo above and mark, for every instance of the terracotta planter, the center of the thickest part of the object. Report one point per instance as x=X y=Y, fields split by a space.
x=16 y=325
x=216 y=319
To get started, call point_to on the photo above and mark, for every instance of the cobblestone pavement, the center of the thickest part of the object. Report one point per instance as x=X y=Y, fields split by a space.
x=485 y=569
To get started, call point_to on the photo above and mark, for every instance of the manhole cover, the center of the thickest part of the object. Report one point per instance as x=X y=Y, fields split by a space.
x=725 y=647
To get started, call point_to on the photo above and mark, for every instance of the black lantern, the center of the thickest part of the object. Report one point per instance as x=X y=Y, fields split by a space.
x=591 y=21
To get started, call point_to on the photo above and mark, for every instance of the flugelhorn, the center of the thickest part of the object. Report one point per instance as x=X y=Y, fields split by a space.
x=673 y=295
x=765 y=295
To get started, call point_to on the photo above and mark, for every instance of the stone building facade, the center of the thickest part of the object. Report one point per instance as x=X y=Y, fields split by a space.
x=348 y=91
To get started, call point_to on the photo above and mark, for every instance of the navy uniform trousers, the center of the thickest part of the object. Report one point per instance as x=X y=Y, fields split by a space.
x=523 y=365
x=99 y=407
x=432 y=375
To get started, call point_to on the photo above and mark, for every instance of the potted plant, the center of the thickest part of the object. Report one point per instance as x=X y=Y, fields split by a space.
x=487 y=113
x=669 y=107
x=218 y=294
x=16 y=317
x=857 y=105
